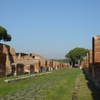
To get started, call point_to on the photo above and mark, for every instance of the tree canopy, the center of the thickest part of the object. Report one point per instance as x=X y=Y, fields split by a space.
x=59 y=60
x=4 y=35
x=76 y=54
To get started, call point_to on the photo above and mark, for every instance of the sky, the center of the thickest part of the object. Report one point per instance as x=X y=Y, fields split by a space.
x=50 y=28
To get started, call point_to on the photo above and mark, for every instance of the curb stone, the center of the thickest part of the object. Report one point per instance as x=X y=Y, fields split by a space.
x=24 y=77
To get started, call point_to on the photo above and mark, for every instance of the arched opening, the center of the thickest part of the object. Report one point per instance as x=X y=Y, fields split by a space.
x=32 y=70
x=20 y=69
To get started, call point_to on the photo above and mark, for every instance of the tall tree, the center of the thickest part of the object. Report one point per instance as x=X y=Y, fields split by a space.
x=4 y=35
x=76 y=55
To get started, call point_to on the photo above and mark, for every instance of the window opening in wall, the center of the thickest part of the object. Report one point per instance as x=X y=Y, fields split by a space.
x=33 y=56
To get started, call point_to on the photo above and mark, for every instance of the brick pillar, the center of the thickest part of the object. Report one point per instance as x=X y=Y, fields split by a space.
x=96 y=57
x=8 y=65
x=15 y=73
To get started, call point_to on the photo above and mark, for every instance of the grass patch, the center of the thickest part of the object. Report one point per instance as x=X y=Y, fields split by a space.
x=64 y=85
x=87 y=91
x=58 y=85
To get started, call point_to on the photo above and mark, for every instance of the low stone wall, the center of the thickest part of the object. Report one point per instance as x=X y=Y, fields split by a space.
x=25 y=77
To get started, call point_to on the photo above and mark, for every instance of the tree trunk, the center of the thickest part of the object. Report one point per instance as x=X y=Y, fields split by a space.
x=79 y=63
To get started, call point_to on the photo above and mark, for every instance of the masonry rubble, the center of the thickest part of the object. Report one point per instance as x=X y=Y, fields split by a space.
x=12 y=63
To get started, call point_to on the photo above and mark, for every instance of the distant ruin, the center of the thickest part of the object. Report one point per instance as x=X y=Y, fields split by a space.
x=12 y=63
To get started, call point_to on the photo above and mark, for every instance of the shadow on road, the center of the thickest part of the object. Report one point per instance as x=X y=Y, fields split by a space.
x=95 y=91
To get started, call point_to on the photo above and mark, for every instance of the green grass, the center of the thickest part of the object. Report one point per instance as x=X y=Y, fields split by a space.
x=63 y=85
x=59 y=85
x=87 y=90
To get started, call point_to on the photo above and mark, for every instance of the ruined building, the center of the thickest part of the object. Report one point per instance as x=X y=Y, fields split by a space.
x=12 y=63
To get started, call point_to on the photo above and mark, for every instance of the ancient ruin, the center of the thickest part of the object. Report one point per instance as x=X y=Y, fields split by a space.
x=12 y=63
x=91 y=64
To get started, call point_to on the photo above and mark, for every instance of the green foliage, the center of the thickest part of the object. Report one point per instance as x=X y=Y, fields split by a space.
x=76 y=54
x=59 y=60
x=4 y=35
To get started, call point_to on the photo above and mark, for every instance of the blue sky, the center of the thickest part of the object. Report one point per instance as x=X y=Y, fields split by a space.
x=50 y=27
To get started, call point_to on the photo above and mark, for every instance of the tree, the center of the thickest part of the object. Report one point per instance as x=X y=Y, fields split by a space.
x=4 y=35
x=76 y=55
x=59 y=60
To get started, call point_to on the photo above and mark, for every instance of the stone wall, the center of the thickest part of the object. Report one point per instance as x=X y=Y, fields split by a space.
x=96 y=48
x=12 y=63
x=96 y=71
x=90 y=63
x=2 y=64
x=29 y=68
x=20 y=69
x=96 y=58
x=10 y=57
x=93 y=70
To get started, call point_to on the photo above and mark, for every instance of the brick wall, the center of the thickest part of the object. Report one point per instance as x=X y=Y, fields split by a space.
x=90 y=63
x=96 y=49
x=2 y=64
x=20 y=69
